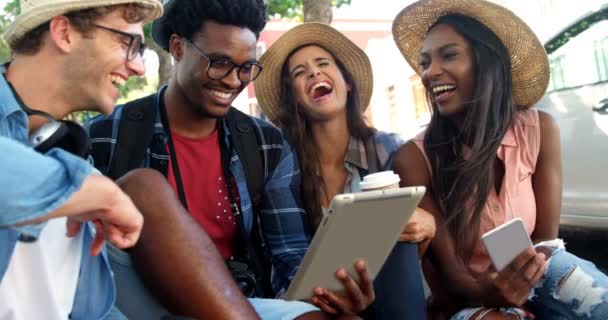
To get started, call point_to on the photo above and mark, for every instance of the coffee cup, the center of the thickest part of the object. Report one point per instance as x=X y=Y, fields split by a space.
x=380 y=181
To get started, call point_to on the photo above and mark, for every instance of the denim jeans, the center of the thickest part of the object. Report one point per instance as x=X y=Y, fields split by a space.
x=572 y=288
x=582 y=295
x=398 y=286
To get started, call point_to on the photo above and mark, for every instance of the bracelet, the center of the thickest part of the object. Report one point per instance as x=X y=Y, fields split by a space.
x=483 y=314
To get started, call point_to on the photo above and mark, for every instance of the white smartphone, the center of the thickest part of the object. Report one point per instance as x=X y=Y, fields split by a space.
x=505 y=242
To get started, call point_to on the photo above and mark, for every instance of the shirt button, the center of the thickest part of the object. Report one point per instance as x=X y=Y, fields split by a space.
x=496 y=207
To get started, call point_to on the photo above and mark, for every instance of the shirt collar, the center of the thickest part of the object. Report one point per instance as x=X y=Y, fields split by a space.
x=356 y=154
x=8 y=102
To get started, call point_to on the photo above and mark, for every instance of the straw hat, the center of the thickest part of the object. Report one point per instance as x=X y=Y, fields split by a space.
x=36 y=12
x=268 y=84
x=529 y=63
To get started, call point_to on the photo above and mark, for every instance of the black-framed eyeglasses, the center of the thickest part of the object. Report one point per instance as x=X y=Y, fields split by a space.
x=136 y=44
x=218 y=69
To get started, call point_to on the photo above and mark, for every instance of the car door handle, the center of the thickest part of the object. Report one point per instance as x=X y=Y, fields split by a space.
x=602 y=107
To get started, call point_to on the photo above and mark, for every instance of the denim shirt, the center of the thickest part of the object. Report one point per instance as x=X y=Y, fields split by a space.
x=355 y=160
x=282 y=217
x=33 y=185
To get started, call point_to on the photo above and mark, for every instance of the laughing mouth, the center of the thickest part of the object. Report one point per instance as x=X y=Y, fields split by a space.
x=442 y=90
x=221 y=94
x=320 y=90
x=117 y=81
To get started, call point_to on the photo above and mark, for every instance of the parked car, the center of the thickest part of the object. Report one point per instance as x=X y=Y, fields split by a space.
x=578 y=99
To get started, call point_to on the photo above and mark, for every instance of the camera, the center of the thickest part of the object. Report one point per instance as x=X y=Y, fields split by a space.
x=244 y=278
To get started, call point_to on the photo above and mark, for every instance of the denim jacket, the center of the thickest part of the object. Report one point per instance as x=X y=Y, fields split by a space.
x=33 y=185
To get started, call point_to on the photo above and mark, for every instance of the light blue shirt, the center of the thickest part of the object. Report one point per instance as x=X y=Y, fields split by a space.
x=33 y=185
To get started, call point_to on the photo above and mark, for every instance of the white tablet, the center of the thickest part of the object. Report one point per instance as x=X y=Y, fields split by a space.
x=363 y=225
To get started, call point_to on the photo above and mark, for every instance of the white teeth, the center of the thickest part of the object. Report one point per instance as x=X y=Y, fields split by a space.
x=442 y=88
x=220 y=94
x=117 y=81
x=319 y=85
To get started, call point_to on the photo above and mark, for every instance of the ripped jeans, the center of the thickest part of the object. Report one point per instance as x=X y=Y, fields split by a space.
x=583 y=294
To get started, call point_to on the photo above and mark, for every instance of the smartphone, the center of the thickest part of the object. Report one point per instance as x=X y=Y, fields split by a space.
x=504 y=243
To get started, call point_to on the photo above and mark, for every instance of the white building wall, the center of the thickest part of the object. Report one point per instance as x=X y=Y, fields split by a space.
x=391 y=112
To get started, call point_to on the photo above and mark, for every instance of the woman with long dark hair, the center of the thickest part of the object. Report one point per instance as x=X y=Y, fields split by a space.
x=315 y=86
x=487 y=157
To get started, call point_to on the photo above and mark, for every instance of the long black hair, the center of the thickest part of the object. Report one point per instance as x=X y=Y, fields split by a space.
x=461 y=187
x=296 y=125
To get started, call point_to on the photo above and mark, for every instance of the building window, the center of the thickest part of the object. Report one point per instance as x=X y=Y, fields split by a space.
x=557 y=73
x=390 y=97
x=260 y=48
x=601 y=58
x=419 y=94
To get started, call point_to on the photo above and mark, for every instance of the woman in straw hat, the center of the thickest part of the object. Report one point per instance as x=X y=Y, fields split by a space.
x=315 y=86
x=487 y=157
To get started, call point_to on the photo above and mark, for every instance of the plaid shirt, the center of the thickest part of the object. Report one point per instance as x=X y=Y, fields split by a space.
x=281 y=215
x=356 y=157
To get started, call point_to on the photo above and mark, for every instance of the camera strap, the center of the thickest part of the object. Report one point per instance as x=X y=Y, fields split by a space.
x=246 y=250
x=172 y=154
x=225 y=160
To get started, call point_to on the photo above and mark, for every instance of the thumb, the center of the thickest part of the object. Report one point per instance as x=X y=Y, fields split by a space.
x=73 y=227
x=491 y=273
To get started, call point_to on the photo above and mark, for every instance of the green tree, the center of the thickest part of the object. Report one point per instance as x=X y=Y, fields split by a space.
x=10 y=10
x=306 y=10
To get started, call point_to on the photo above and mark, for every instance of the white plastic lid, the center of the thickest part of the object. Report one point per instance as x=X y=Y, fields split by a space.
x=379 y=180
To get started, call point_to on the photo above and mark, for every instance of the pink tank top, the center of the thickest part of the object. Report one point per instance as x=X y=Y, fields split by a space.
x=519 y=152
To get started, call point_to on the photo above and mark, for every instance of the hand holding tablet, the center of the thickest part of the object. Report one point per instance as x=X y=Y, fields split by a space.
x=360 y=226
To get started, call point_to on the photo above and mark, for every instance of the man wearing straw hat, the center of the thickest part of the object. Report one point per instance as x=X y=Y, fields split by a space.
x=68 y=55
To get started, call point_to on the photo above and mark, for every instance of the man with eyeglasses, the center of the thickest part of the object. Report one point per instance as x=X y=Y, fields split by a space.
x=56 y=211
x=193 y=230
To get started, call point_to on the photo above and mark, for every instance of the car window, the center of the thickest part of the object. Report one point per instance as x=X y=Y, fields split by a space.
x=582 y=60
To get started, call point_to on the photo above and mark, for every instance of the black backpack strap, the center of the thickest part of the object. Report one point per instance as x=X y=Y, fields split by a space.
x=135 y=131
x=247 y=145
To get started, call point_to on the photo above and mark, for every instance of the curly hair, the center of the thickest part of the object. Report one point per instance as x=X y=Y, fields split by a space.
x=187 y=17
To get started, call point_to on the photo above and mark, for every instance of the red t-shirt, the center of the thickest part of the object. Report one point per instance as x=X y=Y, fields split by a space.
x=200 y=168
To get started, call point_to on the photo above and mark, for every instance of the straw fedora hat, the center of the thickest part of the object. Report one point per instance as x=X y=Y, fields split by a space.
x=268 y=84
x=36 y=12
x=529 y=63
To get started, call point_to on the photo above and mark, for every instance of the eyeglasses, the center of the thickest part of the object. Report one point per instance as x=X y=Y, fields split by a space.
x=218 y=69
x=136 y=44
